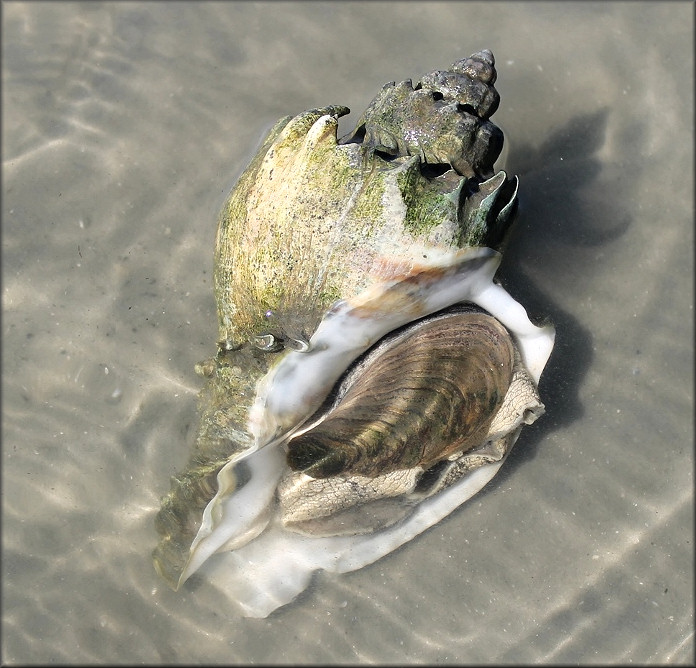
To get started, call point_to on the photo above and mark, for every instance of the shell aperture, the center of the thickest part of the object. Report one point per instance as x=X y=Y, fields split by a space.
x=371 y=376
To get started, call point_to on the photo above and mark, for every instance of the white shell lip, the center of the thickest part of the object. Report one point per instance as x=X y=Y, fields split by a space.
x=262 y=584
x=265 y=565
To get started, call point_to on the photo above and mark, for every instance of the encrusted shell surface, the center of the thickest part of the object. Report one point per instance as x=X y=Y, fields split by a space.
x=309 y=225
x=370 y=375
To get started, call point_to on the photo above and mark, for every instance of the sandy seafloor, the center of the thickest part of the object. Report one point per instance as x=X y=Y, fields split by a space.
x=125 y=125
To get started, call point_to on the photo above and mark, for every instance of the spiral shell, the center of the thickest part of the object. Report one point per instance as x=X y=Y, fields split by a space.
x=370 y=374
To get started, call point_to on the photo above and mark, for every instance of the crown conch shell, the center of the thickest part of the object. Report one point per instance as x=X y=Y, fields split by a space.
x=371 y=375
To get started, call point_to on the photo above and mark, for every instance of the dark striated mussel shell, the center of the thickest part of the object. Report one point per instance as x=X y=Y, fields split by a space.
x=419 y=397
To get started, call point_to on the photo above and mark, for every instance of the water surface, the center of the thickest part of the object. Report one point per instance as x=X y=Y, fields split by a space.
x=125 y=125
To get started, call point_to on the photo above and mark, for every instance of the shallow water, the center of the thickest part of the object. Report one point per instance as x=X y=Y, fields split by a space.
x=124 y=126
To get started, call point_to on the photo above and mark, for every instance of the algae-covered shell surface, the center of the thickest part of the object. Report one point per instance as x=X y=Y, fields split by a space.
x=371 y=375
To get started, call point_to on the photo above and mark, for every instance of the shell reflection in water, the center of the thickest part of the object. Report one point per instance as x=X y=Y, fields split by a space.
x=371 y=376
